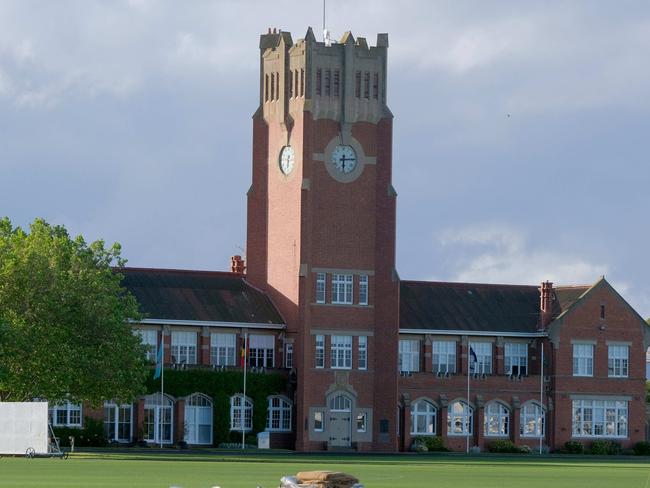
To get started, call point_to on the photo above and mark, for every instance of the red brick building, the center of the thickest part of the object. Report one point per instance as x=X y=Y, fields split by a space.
x=377 y=361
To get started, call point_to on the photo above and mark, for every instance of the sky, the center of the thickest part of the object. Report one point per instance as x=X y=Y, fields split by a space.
x=521 y=129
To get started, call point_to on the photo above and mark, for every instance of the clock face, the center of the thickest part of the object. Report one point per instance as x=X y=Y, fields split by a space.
x=286 y=159
x=344 y=159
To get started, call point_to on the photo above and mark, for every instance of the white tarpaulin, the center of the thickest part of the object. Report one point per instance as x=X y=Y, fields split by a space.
x=23 y=425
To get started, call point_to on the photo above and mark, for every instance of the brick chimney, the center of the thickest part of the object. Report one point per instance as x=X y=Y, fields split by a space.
x=237 y=265
x=545 y=303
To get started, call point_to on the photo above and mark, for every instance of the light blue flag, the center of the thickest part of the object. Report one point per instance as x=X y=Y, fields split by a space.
x=159 y=363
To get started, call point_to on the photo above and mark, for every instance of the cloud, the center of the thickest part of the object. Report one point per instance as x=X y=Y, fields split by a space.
x=499 y=253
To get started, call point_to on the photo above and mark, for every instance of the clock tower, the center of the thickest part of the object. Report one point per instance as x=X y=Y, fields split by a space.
x=321 y=233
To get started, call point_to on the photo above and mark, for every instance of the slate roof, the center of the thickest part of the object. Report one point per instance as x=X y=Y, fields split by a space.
x=198 y=295
x=567 y=296
x=477 y=307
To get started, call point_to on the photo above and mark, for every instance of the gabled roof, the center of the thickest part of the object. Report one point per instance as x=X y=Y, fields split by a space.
x=209 y=296
x=565 y=296
x=477 y=307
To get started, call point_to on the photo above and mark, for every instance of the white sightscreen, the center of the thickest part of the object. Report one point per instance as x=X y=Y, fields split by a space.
x=23 y=425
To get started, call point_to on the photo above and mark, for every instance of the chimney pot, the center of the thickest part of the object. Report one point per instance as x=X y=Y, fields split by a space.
x=546 y=303
x=237 y=264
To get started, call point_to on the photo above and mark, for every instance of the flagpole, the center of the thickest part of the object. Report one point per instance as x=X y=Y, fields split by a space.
x=242 y=419
x=467 y=417
x=162 y=388
x=541 y=396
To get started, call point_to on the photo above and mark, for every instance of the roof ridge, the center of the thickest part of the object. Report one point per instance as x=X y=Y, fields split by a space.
x=178 y=271
x=562 y=287
x=463 y=283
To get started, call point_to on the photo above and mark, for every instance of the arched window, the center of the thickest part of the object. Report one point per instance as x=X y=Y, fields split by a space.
x=423 y=418
x=340 y=403
x=532 y=420
x=497 y=419
x=241 y=407
x=198 y=419
x=278 y=414
x=158 y=417
x=460 y=419
x=118 y=422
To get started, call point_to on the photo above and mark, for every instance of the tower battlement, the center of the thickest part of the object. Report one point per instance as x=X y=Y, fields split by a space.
x=343 y=81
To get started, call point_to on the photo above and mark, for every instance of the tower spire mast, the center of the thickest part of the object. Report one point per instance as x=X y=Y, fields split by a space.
x=326 y=34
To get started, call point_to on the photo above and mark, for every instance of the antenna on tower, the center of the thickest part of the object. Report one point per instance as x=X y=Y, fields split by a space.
x=326 y=34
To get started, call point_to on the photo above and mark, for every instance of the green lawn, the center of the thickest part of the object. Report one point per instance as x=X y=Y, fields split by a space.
x=233 y=471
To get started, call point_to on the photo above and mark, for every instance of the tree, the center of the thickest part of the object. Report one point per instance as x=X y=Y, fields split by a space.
x=64 y=319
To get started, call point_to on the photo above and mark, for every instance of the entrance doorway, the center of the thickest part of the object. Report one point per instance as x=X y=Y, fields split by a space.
x=340 y=421
x=157 y=423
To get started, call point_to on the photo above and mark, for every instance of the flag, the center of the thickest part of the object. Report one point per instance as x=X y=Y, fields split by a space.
x=243 y=353
x=472 y=367
x=159 y=363
x=473 y=354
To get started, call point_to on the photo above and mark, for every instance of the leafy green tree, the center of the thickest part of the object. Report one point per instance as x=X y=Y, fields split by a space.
x=64 y=319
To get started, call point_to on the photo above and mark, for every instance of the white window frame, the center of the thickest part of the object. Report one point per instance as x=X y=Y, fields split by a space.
x=161 y=412
x=201 y=408
x=319 y=357
x=112 y=427
x=460 y=419
x=288 y=355
x=342 y=289
x=239 y=404
x=72 y=413
x=618 y=361
x=409 y=355
x=483 y=351
x=341 y=349
x=363 y=290
x=516 y=354
x=583 y=359
x=532 y=420
x=321 y=286
x=443 y=356
x=496 y=420
x=428 y=413
x=599 y=418
x=183 y=346
x=149 y=339
x=223 y=349
x=340 y=403
x=361 y=422
x=362 y=359
x=319 y=418
x=261 y=351
x=278 y=414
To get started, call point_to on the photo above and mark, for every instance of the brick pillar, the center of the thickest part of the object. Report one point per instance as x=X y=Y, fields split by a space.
x=499 y=363
x=515 y=420
x=138 y=420
x=327 y=343
x=442 y=419
x=464 y=351
x=167 y=344
x=479 y=419
x=406 y=422
x=204 y=347
x=179 y=420
x=428 y=366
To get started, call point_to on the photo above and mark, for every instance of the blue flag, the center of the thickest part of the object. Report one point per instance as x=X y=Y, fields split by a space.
x=159 y=363
x=473 y=354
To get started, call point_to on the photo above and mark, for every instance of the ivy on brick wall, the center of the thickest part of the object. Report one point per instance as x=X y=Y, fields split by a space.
x=220 y=386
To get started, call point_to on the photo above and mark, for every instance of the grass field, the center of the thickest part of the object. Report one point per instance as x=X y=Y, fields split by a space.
x=248 y=471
